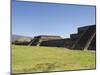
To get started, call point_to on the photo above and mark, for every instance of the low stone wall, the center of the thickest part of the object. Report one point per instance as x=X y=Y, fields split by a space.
x=21 y=43
x=58 y=43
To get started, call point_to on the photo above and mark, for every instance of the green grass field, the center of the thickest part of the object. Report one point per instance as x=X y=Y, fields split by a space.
x=26 y=59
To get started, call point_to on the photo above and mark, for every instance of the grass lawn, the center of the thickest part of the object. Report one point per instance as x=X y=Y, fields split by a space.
x=26 y=59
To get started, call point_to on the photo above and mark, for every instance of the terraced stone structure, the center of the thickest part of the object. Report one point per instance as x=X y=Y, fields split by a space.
x=85 y=39
x=37 y=41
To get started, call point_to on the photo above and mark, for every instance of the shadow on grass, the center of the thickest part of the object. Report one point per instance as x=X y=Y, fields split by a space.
x=44 y=67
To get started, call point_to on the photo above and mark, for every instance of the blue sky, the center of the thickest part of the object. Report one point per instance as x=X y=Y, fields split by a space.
x=32 y=19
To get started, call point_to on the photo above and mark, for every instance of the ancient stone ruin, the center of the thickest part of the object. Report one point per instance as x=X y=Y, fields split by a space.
x=85 y=39
x=38 y=40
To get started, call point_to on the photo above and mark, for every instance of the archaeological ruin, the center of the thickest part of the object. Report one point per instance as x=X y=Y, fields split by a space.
x=85 y=39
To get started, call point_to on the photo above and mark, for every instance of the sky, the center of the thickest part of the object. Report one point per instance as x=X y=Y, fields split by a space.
x=34 y=18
